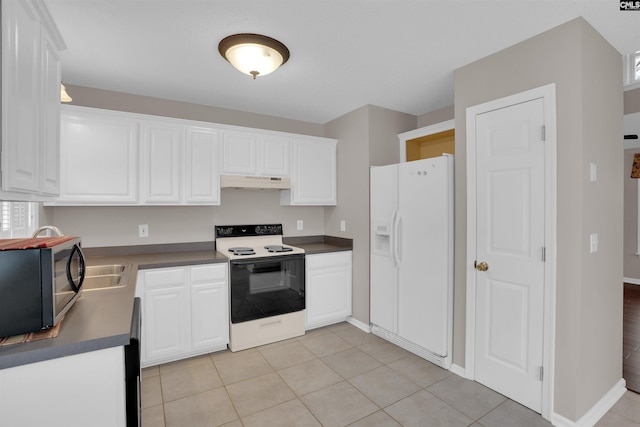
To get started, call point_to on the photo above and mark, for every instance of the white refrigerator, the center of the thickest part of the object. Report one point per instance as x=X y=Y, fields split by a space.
x=412 y=256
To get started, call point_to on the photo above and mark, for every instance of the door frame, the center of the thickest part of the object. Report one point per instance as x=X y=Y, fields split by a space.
x=423 y=131
x=548 y=94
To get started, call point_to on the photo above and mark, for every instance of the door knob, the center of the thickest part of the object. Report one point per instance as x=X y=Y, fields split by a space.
x=481 y=266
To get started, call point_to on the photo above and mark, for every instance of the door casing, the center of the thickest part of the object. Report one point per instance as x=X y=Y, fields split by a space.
x=547 y=93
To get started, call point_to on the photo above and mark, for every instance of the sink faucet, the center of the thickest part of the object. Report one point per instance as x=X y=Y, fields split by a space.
x=47 y=227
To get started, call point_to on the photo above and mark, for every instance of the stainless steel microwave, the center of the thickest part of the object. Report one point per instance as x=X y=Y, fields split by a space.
x=40 y=279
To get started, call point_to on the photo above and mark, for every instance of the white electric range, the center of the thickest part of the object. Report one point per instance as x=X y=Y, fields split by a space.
x=266 y=284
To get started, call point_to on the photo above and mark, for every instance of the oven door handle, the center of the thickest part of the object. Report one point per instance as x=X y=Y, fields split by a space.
x=267 y=259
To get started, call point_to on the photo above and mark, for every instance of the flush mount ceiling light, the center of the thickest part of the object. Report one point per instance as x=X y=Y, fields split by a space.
x=253 y=54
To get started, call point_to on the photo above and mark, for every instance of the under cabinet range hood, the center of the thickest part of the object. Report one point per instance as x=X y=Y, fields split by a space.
x=255 y=182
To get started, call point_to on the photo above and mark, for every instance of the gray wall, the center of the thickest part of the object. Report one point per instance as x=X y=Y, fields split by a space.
x=586 y=71
x=631 y=260
x=367 y=136
x=118 y=225
x=632 y=101
x=435 y=117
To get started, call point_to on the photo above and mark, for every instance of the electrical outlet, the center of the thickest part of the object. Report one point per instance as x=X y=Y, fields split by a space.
x=300 y=225
x=143 y=230
x=593 y=240
x=343 y=225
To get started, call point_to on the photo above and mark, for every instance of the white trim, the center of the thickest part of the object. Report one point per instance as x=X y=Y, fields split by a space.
x=548 y=94
x=358 y=324
x=638 y=219
x=631 y=144
x=458 y=370
x=631 y=280
x=597 y=411
x=423 y=131
x=629 y=71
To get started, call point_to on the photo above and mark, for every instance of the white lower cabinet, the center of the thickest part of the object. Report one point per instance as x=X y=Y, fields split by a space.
x=80 y=390
x=184 y=311
x=327 y=288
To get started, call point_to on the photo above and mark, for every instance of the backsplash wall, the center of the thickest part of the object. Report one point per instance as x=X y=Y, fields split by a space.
x=118 y=225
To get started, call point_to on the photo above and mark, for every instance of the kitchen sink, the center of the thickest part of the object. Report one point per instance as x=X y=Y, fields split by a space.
x=104 y=277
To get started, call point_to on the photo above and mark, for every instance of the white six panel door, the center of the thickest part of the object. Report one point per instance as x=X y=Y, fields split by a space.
x=510 y=239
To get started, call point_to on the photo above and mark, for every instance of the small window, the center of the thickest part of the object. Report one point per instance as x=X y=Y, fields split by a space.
x=19 y=219
x=632 y=69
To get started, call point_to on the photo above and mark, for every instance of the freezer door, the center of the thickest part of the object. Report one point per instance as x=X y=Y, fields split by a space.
x=424 y=231
x=383 y=271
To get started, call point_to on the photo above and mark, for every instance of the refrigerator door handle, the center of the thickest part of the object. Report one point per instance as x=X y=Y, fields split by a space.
x=395 y=243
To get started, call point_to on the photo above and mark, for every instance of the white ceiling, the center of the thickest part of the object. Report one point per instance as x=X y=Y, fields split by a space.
x=397 y=54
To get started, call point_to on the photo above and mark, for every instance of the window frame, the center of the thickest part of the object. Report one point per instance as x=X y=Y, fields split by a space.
x=632 y=70
x=21 y=225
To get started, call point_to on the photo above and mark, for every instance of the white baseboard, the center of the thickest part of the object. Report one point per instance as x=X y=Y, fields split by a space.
x=631 y=280
x=360 y=325
x=596 y=412
x=458 y=370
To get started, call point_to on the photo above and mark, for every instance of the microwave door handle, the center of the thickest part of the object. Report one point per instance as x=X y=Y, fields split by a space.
x=81 y=264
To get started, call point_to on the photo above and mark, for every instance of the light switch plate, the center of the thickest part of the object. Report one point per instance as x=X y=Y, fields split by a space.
x=593 y=241
x=300 y=225
x=143 y=230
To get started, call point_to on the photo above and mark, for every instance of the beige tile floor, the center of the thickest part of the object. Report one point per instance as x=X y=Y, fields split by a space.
x=333 y=376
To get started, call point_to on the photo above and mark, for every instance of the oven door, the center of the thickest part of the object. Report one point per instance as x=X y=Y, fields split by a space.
x=264 y=287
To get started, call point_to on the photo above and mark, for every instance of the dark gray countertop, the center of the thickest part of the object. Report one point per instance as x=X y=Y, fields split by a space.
x=102 y=318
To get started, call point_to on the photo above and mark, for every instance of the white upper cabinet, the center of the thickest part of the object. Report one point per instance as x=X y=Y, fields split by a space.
x=252 y=153
x=50 y=129
x=275 y=156
x=313 y=180
x=161 y=160
x=239 y=153
x=30 y=100
x=115 y=158
x=118 y=158
x=99 y=157
x=202 y=177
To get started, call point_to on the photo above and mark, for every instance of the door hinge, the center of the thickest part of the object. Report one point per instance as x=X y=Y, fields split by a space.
x=541 y=373
x=543 y=133
x=544 y=254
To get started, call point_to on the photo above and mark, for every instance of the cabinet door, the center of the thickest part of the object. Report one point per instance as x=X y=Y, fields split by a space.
x=166 y=314
x=21 y=97
x=50 y=130
x=328 y=288
x=161 y=159
x=99 y=157
x=239 y=153
x=314 y=173
x=209 y=306
x=202 y=177
x=274 y=156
